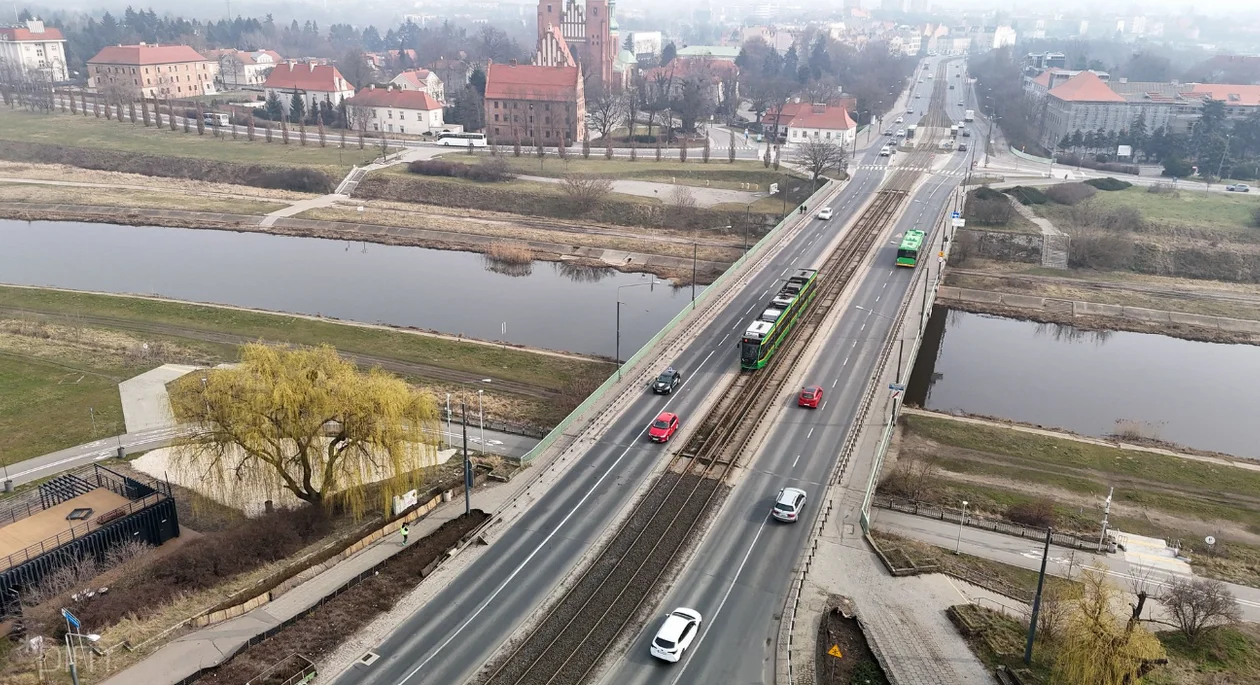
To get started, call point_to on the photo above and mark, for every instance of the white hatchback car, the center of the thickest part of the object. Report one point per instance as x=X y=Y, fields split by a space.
x=824 y=213
x=676 y=634
x=788 y=505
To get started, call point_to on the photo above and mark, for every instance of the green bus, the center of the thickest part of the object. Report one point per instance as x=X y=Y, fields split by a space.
x=765 y=334
x=908 y=253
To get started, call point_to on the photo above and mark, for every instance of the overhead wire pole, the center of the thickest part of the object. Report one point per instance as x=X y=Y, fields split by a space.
x=1036 y=607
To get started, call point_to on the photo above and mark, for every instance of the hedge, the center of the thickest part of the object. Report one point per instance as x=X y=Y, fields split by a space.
x=1108 y=183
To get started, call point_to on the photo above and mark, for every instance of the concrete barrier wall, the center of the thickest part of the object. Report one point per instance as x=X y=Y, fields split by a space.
x=1078 y=308
x=1031 y=158
x=715 y=287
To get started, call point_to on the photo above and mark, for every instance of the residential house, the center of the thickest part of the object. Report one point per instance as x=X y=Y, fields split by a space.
x=535 y=104
x=780 y=39
x=822 y=122
x=315 y=82
x=245 y=69
x=422 y=80
x=453 y=73
x=394 y=110
x=775 y=124
x=33 y=51
x=176 y=71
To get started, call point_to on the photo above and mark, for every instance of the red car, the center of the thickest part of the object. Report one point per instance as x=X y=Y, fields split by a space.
x=664 y=427
x=811 y=396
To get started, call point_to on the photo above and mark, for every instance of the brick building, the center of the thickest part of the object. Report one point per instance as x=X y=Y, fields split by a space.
x=154 y=70
x=590 y=29
x=535 y=104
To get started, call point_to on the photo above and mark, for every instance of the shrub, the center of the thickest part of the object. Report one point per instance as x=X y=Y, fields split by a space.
x=1114 y=167
x=987 y=193
x=510 y=252
x=1027 y=195
x=1070 y=193
x=1248 y=171
x=1255 y=217
x=1108 y=183
x=1177 y=168
x=1038 y=513
x=1096 y=249
x=586 y=191
x=492 y=170
x=1162 y=188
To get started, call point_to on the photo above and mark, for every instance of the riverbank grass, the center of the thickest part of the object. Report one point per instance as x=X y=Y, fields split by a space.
x=90 y=132
x=133 y=199
x=1209 y=211
x=1003 y=472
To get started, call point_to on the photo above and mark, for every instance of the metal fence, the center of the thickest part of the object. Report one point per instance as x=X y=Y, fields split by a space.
x=300 y=670
x=933 y=511
x=708 y=293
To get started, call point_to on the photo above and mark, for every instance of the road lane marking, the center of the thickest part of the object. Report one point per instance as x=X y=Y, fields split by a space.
x=833 y=383
x=538 y=548
x=798 y=457
x=712 y=620
x=808 y=435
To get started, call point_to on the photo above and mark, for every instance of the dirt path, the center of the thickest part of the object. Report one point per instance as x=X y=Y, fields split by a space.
x=425 y=371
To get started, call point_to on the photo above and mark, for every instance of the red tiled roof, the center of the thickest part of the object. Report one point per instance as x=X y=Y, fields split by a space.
x=15 y=33
x=1085 y=87
x=394 y=97
x=1231 y=95
x=323 y=78
x=135 y=55
x=830 y=119
x=530 y=82
x=416 y=77
x=411 y=54
x=1043 y=79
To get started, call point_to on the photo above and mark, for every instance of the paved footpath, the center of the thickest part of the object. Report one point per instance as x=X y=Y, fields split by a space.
x=212 y=645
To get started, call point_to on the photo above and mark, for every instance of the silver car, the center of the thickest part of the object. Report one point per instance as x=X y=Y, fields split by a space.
x=788 y=505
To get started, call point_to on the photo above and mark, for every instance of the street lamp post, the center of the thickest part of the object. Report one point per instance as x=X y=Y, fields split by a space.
x=74 y=667
x=618 y=343
x=961 y=522
x=481 y=417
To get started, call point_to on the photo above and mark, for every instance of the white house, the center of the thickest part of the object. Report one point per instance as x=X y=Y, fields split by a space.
x=34 y=51
x=316 y=82
x=394 y=110
x=822 y=122
x=421 y=80
x=241 y=68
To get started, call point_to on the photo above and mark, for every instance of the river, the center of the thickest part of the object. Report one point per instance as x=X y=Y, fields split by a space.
x=550 y=305
x=1095 y=383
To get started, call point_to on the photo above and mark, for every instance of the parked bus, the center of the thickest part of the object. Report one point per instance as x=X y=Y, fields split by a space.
x=764 y=335
x=215 y=119
x=461 y=139
x=908 y=252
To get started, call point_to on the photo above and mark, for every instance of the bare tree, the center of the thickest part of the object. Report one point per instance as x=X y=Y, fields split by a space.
x=682 y=197
x=730 y=151
x=910 y=478
x=358 y=118
x=818 y=155
x=1198 y=604
x=604 y=111
x=586 y=191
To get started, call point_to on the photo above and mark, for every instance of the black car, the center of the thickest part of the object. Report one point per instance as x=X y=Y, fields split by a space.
x=962 y=147
x=667 y=381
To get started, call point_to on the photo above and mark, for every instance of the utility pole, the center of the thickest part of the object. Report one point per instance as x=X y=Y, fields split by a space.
x=463 y=409
x=1106 y=514
x=695 y=251
x=1036 y=607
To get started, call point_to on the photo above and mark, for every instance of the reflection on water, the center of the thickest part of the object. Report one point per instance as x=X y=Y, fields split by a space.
x=1095 y=383
x=513 y=269
x=584 y=272
x=566 y=308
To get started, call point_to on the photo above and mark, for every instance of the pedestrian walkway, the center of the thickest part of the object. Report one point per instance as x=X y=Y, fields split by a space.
x=145 y=403
x=703 y=196
x=215 y=644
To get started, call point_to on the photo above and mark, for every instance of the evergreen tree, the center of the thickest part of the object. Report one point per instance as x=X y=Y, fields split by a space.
x=297 y=107
x=273 y=106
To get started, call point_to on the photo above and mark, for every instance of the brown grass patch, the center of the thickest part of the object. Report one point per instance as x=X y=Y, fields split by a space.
x=510 y=252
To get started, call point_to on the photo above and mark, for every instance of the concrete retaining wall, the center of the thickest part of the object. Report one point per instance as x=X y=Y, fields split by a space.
x=1003 y=245
x=1077 y=308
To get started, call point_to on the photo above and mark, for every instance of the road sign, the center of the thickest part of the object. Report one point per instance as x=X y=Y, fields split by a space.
x=1210 y=540
x=835 y=651
x=71 y=619
x=774 y=188
x=896 y=387
x=955 y=215
x=958 y=223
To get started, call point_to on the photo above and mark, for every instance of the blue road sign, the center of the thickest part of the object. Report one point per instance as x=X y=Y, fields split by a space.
x=71 y=619
x=896 y=387
x=955 y=215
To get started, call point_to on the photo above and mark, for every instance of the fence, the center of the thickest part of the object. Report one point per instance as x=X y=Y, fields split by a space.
x=1014 y=529
x=708 y=293
x=303 y=672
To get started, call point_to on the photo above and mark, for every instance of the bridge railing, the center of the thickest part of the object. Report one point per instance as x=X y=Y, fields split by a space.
x=711 y=290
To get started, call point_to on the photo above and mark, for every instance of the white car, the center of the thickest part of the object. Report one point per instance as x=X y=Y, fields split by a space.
x=676 y=634
x=1238 y=188
x=901 y=133
x=901 y=120
x=788 y=505
x=824 y=213
x=909 y=110
x=885 y=151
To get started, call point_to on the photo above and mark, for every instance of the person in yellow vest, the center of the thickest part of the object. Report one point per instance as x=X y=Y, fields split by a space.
x=404 y=530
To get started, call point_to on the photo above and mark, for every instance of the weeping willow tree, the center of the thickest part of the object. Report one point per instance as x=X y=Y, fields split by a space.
x=304 y=421
x=1099 y=647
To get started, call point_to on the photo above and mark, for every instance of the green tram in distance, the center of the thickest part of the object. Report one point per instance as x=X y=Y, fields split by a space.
x=908 y=253
x=764 y=335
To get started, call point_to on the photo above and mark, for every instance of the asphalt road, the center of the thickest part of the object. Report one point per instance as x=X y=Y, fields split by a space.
x=465 y=623
x=739 y=575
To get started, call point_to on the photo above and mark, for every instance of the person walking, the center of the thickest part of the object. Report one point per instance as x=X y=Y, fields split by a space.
x=404 y=530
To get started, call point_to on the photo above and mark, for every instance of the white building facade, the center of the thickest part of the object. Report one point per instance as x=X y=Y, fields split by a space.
x=33 y=51
x=392 y=110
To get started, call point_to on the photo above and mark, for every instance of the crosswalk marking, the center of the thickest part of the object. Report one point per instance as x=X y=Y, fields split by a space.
x=897 y=167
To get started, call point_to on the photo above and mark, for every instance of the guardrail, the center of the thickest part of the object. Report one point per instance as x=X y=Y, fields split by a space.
x=709 y=291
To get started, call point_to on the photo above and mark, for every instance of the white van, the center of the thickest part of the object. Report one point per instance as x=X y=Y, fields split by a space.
x=216 y=119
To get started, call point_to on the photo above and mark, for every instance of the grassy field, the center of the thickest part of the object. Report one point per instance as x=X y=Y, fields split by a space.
x=545 y=371
x=126 y=197
x=1191 y=208
x=89 y=132
x=1155 y=494
x=721 y=173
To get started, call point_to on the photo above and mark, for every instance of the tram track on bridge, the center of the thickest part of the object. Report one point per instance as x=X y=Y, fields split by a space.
x=585 y=623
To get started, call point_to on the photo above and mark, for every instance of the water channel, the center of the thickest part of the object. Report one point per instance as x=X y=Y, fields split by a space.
x=548 y=305
x=1095 y=383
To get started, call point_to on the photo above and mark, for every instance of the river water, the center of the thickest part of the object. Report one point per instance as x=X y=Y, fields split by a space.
x=548 y=305
x=1196 y=394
